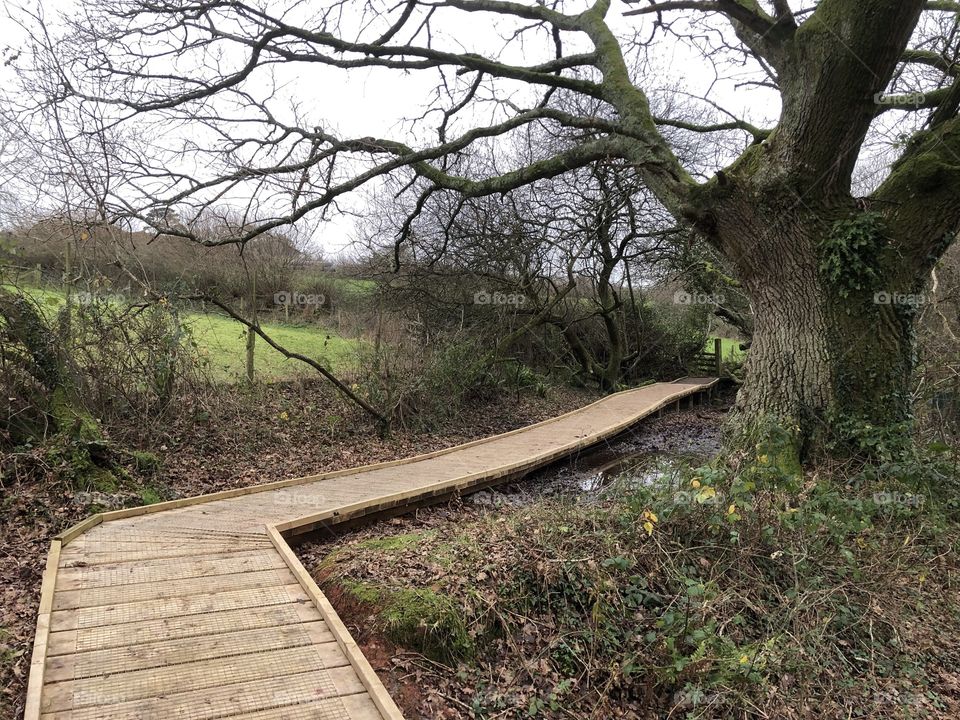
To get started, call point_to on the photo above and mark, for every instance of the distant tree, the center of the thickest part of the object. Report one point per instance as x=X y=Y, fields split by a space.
x=164 y=218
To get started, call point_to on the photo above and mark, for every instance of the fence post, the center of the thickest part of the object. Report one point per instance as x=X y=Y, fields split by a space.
x=251 y=335
x=67 y=327
x=718 y=352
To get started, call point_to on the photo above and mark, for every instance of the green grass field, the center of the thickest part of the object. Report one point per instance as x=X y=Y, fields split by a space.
x=340 y=286
x=222 y=343
x=729 y=348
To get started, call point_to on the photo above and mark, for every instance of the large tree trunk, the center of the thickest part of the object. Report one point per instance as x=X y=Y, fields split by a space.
x=823 y=356
x=813 y=366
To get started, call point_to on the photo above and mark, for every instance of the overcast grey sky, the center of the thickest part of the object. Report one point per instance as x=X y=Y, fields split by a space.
x=379 y=102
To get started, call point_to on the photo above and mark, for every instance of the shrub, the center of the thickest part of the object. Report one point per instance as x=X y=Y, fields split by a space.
x=729 y=590
x=102 y=361
x=425 y=383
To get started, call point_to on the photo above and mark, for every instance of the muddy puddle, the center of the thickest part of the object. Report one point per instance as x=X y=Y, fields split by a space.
x=653 y=452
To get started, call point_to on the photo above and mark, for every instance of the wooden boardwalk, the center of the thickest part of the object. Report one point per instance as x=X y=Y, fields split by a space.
x=198 y=609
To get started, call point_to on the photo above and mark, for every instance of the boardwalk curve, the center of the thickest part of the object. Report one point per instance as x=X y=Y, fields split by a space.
x=197 y=608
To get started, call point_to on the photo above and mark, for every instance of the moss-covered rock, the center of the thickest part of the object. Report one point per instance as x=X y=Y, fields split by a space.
x=421 y=618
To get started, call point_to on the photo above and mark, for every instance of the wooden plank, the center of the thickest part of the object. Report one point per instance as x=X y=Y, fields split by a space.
x=81 y=527
x=163 y=590
x=210 y=673
x=143 y=656
x=158 y=553
x=128 y=573
x=49 y=581
x=191 y=626
x=358 y=707
x=378 y=693
x=85 y=546
x=140 y=611
x=175 y=530
x=234 y=698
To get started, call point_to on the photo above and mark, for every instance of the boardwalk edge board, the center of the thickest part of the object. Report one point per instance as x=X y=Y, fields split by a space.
x=377 y=692
x=38 y=660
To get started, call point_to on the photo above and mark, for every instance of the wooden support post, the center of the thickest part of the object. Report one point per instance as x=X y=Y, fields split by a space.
x=718 y=352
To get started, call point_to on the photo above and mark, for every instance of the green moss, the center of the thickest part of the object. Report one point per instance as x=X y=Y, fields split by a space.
x=150 y=496
x=84 y=473
x=422 y=619
x=8 y=655
x=71 y=418
x=927 y=170
x=748 y=164
x=428 y=621
x=361 y=591
x=785 y=459
x=395 y=542
x=101 y=480
x=372 y=546
x=778 y=448
x=145 y=461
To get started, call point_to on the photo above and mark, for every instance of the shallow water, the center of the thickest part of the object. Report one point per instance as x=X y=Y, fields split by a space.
x=652 y=453
x=633 y=470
